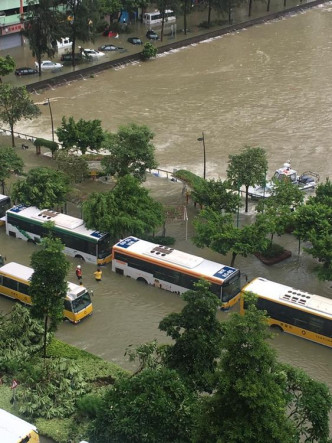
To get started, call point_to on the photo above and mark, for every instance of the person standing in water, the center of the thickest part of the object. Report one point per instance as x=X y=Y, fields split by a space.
x=98 y=274
x=79 y=272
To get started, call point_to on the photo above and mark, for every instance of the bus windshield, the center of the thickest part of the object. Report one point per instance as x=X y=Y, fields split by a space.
x=231 y=287
x=81 y=302
x=104 y=247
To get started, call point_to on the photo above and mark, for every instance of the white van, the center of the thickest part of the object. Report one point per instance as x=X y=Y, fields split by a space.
x=15 y=430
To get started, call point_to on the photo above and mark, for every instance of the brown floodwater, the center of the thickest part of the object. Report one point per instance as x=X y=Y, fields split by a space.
x=267 y=86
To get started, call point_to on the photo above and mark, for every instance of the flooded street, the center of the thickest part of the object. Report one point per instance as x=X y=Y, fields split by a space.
x=267 y=86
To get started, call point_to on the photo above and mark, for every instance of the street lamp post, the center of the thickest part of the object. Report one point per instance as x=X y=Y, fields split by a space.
x=202 y=139
x=48 y=103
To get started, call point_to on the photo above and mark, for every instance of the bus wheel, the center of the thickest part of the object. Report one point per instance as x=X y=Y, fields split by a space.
x=277 y=328
x=79 y=257
x=142 y=280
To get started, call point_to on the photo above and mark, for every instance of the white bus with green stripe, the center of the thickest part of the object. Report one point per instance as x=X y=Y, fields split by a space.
x=28 y=223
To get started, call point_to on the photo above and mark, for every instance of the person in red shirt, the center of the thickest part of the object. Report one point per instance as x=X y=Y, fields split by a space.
x=79 y=272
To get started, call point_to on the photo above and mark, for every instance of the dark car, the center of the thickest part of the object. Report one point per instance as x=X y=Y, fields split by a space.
x=152 y=35
x=135 y=41
x=25 y=71
x=107 y=48
x=68 y=57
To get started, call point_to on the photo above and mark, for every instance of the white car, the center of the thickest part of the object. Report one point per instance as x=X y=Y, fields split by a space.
x=48 y=65
x=93 y=53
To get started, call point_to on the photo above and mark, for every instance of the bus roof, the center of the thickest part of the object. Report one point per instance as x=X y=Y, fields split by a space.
x=175 y=258
x=12 y=428
x=22 y=272
x=290 y=296
x=16 y=270
x=60 y=220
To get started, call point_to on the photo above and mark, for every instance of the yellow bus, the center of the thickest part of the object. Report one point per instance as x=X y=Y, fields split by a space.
x=15 y=430
x=293 y=311
x=15 y=283
x=173 y=270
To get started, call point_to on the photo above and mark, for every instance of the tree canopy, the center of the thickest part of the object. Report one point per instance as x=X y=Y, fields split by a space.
x=82 y=19
x=7 y=65
x=74 y=166
x=84 y=134
x=21 y=337
x=48 y=287
x=43 y=23
x=247 y=169
x=153 y=406
x=131 y=152
x=15 y=105
x=10 y=163
x=217 y=231
x=216 y=195
x=258 y=398
x=197 y=334
x=43 y=187
x=126 y=210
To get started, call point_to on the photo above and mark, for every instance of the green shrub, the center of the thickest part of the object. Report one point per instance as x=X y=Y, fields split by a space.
x=89 y=405
x=273 y=251
x=49 y=144
x=149 y=51
x=188 y=177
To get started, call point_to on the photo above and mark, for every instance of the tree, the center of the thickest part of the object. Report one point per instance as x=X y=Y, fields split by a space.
x=84 y=134
x=258 y=398
x=43 y=187
x=7 y=65
x=48 y=287
x=250 y=394
x=309 y=405
x=247 y=169
x=216 y=195
x=15 y=105
x=149 y=51
x=42 y=27
x=197 y=335
x=74 y=166
x=10 y=163
x=127 y=209
x=21 y=338
x=281 y=207
x=53 y=389
x=131 y=152
x=153 y=406
x=82 y=21
x=217 y=231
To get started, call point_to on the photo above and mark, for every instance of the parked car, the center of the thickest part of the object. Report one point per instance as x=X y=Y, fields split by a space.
x=25 y=71
x=92 y=53
x=68 y=57
x=108 y=48
x=135 y=41
x=152 y=35
x=48 y=65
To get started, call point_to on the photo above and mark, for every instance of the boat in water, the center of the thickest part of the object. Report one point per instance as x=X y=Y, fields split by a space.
x=305 y=182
